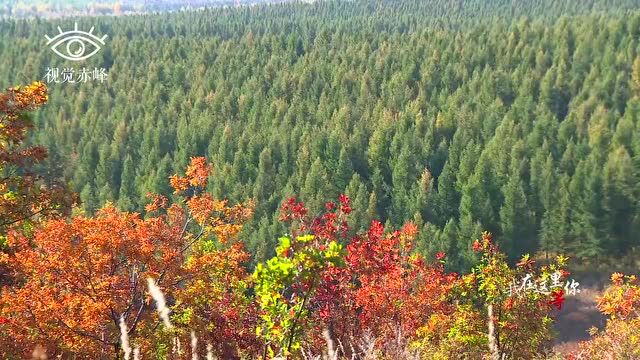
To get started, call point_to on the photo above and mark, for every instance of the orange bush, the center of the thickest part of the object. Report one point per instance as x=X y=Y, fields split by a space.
x=77 y=278
x=621 y=337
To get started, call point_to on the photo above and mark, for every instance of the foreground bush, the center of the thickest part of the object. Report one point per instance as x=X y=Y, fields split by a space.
x=327 y=289
x=621 y=337
x=77 y=278
x=488 y=319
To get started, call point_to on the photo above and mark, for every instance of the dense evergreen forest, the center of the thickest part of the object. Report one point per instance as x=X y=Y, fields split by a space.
x=518 y=117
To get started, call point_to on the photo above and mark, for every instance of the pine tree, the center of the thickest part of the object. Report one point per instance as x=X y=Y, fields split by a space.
x=88 y=199
x=127 y=193
x=344 y=171
x=264 y=184
x=314 y=185
x=515 y=219
x=586 y=214
x=620 y=200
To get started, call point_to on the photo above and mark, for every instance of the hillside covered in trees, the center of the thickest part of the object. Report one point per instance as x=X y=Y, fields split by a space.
x=520 y=118
x=327 y=180
x=73 y=285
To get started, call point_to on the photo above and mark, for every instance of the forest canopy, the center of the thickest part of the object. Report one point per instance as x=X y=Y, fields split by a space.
x=335 y=179
x=520 y=118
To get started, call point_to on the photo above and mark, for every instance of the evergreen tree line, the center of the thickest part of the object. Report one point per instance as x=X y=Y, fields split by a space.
x=520 y=118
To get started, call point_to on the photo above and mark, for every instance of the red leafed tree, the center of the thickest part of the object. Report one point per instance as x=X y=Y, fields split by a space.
x=384 y=289
x=395 y=291
x=77 y=278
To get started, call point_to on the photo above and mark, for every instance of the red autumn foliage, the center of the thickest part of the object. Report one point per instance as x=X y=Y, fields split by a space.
x=384 y=288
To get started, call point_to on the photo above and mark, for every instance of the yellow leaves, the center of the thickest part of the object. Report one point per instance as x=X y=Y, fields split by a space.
x=440 y=121
x=217 y=217
x=622 y=299
x=32 y=95
x=9 y=196
x=635 y=76
x=617 y=278
x=561 y=260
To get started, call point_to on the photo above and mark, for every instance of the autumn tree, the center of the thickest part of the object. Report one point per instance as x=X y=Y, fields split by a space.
x=620 y=339
x=24 y=194
x=500 y=311
x=323 y=275
x=77 y=278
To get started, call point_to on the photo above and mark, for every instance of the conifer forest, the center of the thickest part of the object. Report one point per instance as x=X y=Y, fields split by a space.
x=366 y=179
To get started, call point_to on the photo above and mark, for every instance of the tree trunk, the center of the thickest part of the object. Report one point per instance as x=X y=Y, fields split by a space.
x=493 y=341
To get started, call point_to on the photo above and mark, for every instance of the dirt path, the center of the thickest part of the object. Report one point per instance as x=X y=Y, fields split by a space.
x=577 y=316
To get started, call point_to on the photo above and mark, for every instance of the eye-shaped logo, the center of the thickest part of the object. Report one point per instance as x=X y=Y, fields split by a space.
x=76 y=47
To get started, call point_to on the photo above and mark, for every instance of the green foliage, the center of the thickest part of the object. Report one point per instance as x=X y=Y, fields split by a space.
x=285 y=284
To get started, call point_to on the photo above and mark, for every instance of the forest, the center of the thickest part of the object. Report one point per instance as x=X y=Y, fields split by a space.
x=66 y=8
x=318 y=161
x=523 y=127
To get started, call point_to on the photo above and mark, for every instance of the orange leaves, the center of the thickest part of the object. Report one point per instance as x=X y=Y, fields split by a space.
x=410 y=230
x=79 y=276
x=196 y=175
x=217 y=218
x=22 y=193
x=622 y=299
x=157 y=202
x=617 y=278
x=477 y=245
x=30 y=96
x=178 y=183
x=621 y=337
x=202 y=207
x=26 y=98
x=25 y=199
x=198 y=172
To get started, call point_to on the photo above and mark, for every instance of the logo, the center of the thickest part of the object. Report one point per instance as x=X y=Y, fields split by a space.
x=77 y=42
